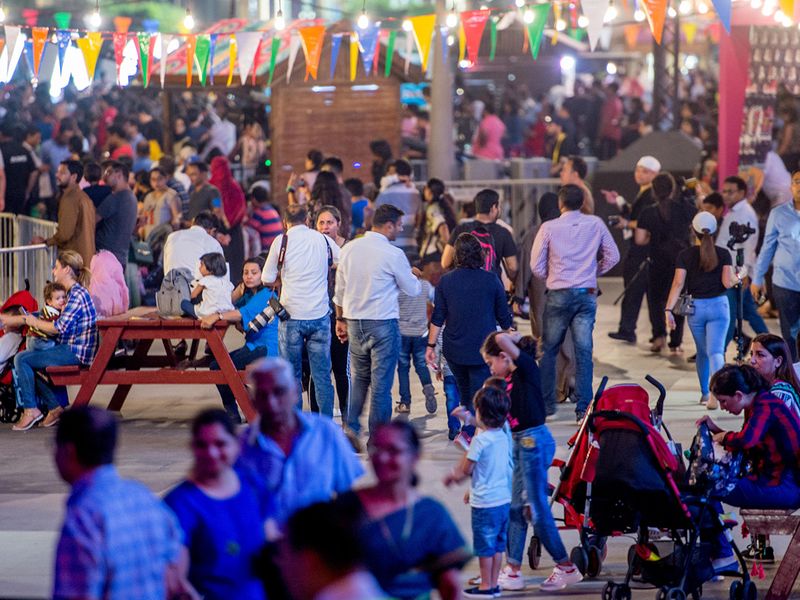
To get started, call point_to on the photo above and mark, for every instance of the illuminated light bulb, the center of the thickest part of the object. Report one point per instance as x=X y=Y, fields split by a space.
x=755 y=4
x=638 y=15
x=685 y=7
x=778 y=16
x=280 y=21
x=611 y=68
x=583 y=21
x=451 y=39
x=672 y=13
x=767 y=10
x=528 y=16
x=407 y=25
x=567 y=63
x=519 y=3
x=702 y=8
x=452 y=19
x=561 y=25
x=188 y=20
x=53 y=39
x=2 y=13
x=363 y=20
x=95 y=20
x=611 y=13
x=787 y=21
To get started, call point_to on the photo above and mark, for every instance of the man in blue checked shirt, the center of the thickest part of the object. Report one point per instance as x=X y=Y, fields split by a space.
x=118 y=541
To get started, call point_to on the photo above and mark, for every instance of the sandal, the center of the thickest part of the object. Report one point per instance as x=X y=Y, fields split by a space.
x=30 y=417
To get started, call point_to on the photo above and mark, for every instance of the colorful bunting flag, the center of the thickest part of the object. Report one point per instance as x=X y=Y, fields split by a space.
x=62 y=19
x=462 y=42
x=256 y=60
x=535 y=28
x=474 y=23
x=631 y=35
x=367 y=42
x=312 y=38
x=294 y=48
x=39 y=35
x=119 y=39
x=63 y=39
x=191 y=43
x=595 y=12
x=493 y=40
x=656 y=12
x=232 y=51
x=28 y=51
x=689 y=31
x=212 y=54
x=122 y=24
x=353 y=56
x=273 y=57
x=150 y=25
x=14 y=45
x=557 y=17
x=166 y=38
x=409 y=48
x=247 y=43
x=723 y=8
x=336 y=43
x=90 y=47
x=30 y=15
x=377 y=55
x=143 y=42
x=389 y=53
x=423 y=26
x=202 y=51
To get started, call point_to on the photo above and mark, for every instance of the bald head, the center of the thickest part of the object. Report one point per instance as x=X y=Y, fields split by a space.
x=274 y=391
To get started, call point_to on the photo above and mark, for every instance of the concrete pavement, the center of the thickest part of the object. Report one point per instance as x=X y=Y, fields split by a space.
x=154 y=449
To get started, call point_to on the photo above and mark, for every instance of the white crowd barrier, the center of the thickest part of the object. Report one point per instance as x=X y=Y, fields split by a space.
x=20 y=259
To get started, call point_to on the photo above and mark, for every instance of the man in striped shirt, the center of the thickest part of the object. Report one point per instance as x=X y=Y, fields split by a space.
x=265 y=218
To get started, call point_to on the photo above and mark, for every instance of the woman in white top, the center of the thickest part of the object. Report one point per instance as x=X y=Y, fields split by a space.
x=212 y=294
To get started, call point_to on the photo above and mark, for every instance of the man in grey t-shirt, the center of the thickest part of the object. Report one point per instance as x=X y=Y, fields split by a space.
x=202 y=194
x=116 y=214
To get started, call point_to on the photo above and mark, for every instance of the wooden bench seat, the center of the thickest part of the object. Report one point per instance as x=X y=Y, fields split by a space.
x=778 y=522
x=75 y=375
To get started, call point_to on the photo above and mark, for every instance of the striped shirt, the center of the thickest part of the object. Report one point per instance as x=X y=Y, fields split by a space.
x=770 y=439
x=267 y=222
x=77 y=324
x=414 y=311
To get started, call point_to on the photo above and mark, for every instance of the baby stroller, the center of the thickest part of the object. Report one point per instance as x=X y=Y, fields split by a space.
x=10 y=412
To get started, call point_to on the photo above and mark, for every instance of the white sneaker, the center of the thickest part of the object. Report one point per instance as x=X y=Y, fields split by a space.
x=561 y=578
x=508 y=580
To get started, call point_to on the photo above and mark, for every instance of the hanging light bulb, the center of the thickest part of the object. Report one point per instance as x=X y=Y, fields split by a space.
x=452 y=18
x=363 y=19
x=583 y=21
x=561 y=25
x=702 y=8
x=94 y=19
x=778 y=16
x=528 y=16
x=408 y=25
x=611 y=13
x=671 y=12
x=638 y=15
x=685 y=7
x=280 y=20
x=188 y=20
x=755 y=4
x=519 y=3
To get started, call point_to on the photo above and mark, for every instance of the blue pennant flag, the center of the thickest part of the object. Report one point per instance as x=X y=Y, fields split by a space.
x=63 y=39
x=336 y=42
x=367 y=41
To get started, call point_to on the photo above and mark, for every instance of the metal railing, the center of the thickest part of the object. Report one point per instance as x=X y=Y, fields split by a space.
x=21 y=260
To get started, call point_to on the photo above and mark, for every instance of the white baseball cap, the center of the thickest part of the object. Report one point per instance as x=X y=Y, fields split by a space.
x=649 y=162
x=704 y=221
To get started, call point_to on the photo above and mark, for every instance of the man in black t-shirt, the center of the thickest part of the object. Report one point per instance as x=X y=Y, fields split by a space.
x=19 y=166
x=487 y=209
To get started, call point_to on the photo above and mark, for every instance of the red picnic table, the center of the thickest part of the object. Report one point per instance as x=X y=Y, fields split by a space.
x=142 y=368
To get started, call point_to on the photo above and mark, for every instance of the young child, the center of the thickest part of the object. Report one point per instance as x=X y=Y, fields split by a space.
x=359 y=202
x=511 y=357
x=413 y=341
x=55 y=299
x=489 y=462
x=10 y=337
x=213 y=290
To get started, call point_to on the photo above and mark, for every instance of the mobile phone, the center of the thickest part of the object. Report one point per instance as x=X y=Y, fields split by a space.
x=216 y=203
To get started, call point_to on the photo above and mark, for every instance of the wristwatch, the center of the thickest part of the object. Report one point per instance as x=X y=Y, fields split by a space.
x=431 y=345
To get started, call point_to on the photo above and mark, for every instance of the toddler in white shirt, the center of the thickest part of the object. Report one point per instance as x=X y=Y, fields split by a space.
x=213 y=289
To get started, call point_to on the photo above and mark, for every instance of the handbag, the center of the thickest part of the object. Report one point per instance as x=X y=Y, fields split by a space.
x=140 y=253
x=684 y=307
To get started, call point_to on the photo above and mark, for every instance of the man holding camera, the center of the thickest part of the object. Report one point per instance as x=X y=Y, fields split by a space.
x=740 y=214
x=302 y=258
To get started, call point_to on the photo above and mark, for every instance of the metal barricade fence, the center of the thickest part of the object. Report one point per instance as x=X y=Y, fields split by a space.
x=21 y=260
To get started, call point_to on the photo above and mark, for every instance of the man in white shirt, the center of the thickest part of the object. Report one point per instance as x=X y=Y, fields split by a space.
x=184 y=248
x=303 y=259
x=221 y=136
x=370 y=274
x=734 y=193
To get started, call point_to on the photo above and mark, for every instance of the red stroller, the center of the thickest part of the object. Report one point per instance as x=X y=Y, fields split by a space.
x=9 y=410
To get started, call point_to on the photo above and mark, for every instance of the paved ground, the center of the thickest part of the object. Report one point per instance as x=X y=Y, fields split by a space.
x=154 y=449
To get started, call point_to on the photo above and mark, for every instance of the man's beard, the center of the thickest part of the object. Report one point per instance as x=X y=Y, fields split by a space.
x=62 y=186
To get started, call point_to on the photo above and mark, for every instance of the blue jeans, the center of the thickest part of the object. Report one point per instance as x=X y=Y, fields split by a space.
x=574 y=309
x=489 y=530
x=708 y=325
x=188 y=308
x=34 y=342
x=451 y=399
x=374 y=348
x=469 y=379
x=241 y=358
x=30 y=387
x=315 y=335
x=788 y=304
x=533 y=451
x=749 y=313
x=411 y=348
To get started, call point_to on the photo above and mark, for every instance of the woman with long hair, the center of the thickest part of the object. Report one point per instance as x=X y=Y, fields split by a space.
x=328 y=192
x=770 y=356
x=75 y=333
x=234 y=207
x=438 y=220
x=665 y=229
x=705 y=272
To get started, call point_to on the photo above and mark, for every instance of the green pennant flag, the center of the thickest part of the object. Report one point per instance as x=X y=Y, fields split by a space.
x=62 y=19
x=493 y=33
x=144 y=54
x=536 y=27
x=202 y=50
x=389 y=53
x=273 y=57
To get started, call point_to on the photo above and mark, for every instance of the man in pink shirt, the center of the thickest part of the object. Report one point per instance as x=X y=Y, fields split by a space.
x=487 y=142
x=565 y=254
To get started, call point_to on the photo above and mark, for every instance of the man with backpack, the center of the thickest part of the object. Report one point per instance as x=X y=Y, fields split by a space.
x=497 y=241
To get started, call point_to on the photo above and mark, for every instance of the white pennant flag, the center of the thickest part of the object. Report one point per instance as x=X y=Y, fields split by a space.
x=595 y=11
x=12 y=51
x=409 y=50
x=165 y=41
x=246 y=46
x=294 y=48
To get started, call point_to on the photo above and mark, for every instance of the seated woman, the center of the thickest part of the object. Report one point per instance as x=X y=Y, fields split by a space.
x=75 y=331
x=770 y=443
x=411 y=543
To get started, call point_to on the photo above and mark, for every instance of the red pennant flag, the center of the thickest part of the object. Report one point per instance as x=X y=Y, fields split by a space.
x=256 y=60
x=30 y=15
x=120 y=39
x=474 y=23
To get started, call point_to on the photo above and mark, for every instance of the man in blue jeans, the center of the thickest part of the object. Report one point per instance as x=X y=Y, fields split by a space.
x=303 y=259
x=370 y=275
x=565 y=254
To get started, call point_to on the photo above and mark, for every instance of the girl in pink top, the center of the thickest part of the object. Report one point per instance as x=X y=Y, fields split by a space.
x=488 y=138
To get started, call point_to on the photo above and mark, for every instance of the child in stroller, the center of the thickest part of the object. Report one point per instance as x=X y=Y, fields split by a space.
x=12 y=340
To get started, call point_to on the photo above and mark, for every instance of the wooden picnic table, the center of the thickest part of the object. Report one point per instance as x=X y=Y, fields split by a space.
x=141 y=368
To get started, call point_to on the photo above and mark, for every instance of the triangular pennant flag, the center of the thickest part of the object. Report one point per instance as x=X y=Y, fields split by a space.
x=39 y=35
x=723 y=8
x=90 y=47
x=233 y=48
x=689 y=31
x=211 y=56
x=294 y=48
x=166 y=38
x=122 y=24
x=493 y=40
x=787 y=7
x=30 y=15
x=246 y=47
x=389 y=53
x=713 y=31
x=595 y=12
x=377 y=55
x=409 y=48
x=525 y=40
x=63 y=39
x=143 y=40
x=336 y=43
x=423 y=26
x=556 y=18
x=150 y=25
x=353 y=56
x=462 y=42
x=273 y=58
x=312 y=38
x=28 y=51
x=573 y=16
x=536 y=27
x=631 y=35
x=11 y=52
x=655 y=11
x=120 y=39
x=202 y=51
x=62 y=19
x=191 y=42
x=256 y=62
x=474 y=23
x=367 y=42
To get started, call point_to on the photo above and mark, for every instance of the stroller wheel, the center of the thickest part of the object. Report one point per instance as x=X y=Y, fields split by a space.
x=622 y=592
x=736 y=590
x=534 y=553
x=676 y=594
x=580 y=558
x=594 y=562
x=608 y=590
x=9 y=411
x=749 y=591
x=661 y=594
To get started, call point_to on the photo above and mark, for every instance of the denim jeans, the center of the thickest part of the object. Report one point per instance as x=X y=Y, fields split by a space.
x=533 y=450
x=489 y=530
x=452 y=400
x=374 y=348
x=469 y=379
x=241 y=358
x=708 y=325
x=188 y=309
x=574 y=309
x=788 y=305
x=749 y=313
x=34 y=342
x=411 y=349
x=315 y=335
x=30 y=387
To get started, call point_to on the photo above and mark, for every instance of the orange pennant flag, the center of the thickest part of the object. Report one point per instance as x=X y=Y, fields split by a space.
x=656 y=12
x=631 y=35
x=312 y=38
x=423 y=26
x=90 y=47
x=525 y=40
x=191 y=41
x=39 y=35
x=122 y=24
